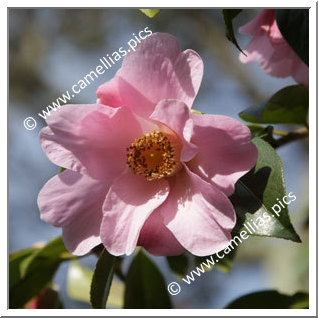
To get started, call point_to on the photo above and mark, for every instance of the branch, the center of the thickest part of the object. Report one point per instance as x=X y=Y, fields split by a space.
x=291 y=136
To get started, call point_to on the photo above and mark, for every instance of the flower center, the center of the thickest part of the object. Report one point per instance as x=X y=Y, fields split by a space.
x=154 y=155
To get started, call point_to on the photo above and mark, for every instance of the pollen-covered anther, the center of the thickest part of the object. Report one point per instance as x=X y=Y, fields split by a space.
x=153 y=155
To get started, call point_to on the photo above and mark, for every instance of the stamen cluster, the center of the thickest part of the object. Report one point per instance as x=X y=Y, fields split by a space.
x=152 y=155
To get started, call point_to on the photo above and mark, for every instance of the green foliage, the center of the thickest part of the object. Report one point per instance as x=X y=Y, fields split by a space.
x=178 y=264
x=287 y=106
x=257 y=192
x=228 y=16
x=79 y=279
x=33 y=269
x=145 y=286
x=61 y=169
x=265 y=133
x=102 y=279
x=17 y=263
x=271 y=299
x=294 y=26
x=150 y=13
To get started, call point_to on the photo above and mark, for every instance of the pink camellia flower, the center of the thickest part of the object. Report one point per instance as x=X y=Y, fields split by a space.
x=271 y=50
x=157 y=176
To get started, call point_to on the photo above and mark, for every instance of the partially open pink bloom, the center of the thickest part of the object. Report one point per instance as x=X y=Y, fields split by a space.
x=271 y=50
x=160 y=182
x=157 y=176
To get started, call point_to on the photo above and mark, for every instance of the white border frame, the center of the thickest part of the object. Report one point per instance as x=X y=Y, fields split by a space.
x=312 y=161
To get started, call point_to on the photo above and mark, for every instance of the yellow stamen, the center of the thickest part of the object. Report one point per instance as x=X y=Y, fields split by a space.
x=154 y=155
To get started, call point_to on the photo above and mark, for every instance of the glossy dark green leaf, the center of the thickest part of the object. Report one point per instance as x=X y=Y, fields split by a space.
x=36 y=270
x=30 y=285
x=294 y=26
x=150 y=13
x=145 y=285
x=257 y=196
x=228 y=16
x=79 y=279
x=287 y=106
x=179 y=264
x=17 y=262
x=53 y=251
x=271 y=299
x=102 y=280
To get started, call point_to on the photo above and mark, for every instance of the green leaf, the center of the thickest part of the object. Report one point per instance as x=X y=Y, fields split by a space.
x=30 y=285
x=79 y=279
x=145 y=286
x=178 y=264
x=266 y=133
x=257 y=196
x=102 y=280
x=228 y=16
x=271 y=299
x=294 y=26
x=53 y=252
x=287 y=106
x=36 y=269
x=17 y=262
x=150 y=13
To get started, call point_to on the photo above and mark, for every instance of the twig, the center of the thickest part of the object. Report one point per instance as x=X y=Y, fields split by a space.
x=292 y=136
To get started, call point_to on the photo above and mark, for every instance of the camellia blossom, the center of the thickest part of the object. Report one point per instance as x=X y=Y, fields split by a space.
x=271 y=50
x=158 y=177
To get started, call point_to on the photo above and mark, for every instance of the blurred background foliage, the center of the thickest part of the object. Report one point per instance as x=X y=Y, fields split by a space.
x=51 y=49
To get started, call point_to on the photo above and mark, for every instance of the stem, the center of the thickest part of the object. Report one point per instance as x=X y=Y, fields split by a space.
x=291 y=136
x=280 y=133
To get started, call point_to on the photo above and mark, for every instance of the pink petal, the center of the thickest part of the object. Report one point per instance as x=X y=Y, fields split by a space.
x=108 y=93
x=259 y=49
x=260 y=24
x=130 y=201
x=199 y=215
x=270 y=49
x=176 y=116
x=66 y=201
x=157 y=239
x=274 y=32
x=156 y=70
x=83 y=235
x=300 y=73
x=277 y=60
x=90 y=139
x=225 y=150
